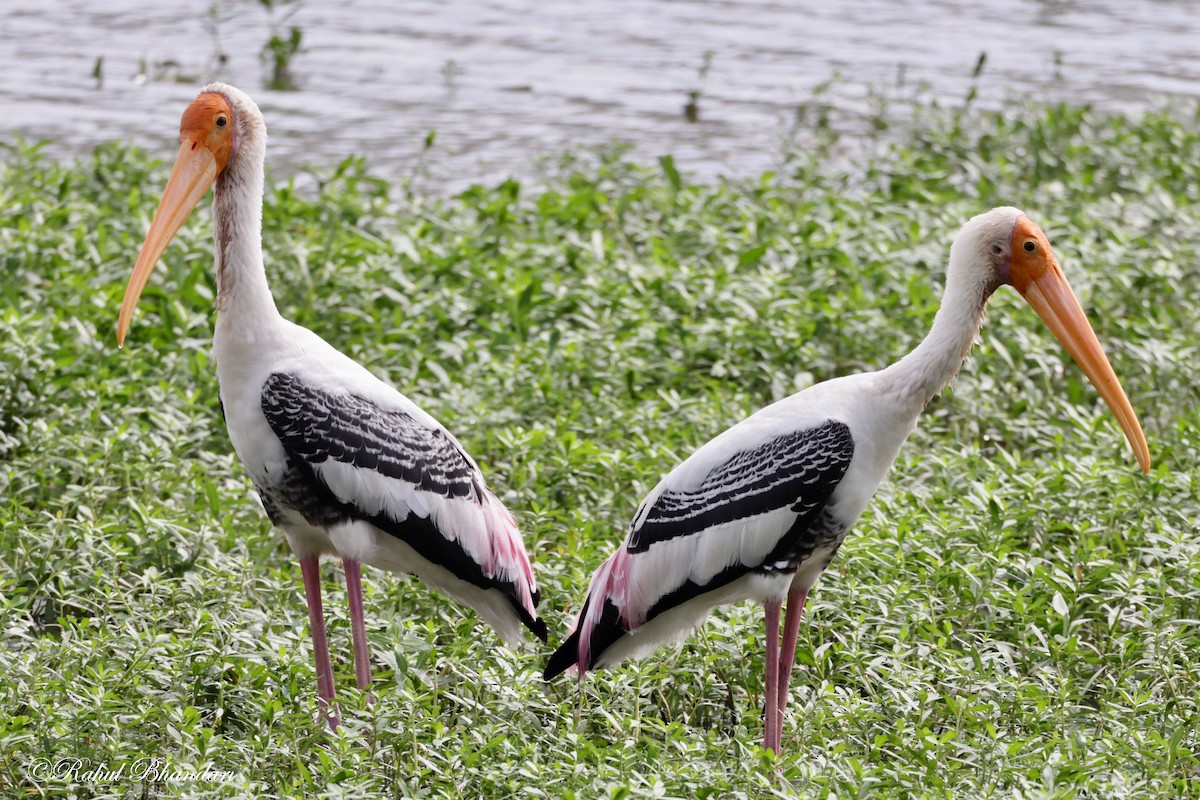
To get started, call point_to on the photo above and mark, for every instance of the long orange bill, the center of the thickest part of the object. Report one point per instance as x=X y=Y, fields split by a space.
x=195 y=170
x=1051 y=297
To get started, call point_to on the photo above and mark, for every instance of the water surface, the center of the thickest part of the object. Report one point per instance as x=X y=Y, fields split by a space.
x=504 y=81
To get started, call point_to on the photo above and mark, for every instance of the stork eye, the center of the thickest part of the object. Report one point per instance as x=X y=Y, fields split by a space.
x=997 y=250
x=1030 y=247
x=222 y=121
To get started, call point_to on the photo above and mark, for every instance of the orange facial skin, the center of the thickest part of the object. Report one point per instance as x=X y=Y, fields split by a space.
x=1030 y=264
x=202 y=126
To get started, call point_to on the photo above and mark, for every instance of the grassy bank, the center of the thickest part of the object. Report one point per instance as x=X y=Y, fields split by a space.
x=1016 y=615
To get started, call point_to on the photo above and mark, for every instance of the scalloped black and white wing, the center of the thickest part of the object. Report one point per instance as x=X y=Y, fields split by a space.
x=358 y=470
x=738 y=520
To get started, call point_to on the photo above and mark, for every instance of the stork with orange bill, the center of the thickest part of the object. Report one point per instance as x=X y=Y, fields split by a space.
x=345 y=465
x=759 y=512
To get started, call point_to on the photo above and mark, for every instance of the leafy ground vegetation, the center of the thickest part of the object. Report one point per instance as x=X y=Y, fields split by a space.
x=1017 y=615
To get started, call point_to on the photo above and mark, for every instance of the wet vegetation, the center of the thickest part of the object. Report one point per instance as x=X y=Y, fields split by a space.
x=1016 y=615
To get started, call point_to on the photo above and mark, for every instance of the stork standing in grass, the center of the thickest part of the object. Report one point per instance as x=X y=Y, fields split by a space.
x=345 y=465
x=759 y=512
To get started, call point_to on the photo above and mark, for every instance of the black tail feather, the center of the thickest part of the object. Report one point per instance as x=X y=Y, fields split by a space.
x=565 y=657
x=605 y=632
x=535 y=624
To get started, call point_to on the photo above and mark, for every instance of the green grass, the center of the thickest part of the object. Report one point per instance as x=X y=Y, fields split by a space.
x=1017 y=615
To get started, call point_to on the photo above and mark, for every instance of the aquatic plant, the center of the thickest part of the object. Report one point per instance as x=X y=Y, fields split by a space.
x=1014 y=616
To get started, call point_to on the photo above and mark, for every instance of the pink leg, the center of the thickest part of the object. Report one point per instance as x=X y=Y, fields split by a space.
x=311 y=570
x=771 y=702
x=362 y=660
x=791 y=632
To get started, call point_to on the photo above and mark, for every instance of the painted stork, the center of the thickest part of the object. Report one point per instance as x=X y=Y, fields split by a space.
x=760 y=511
x=345 y=465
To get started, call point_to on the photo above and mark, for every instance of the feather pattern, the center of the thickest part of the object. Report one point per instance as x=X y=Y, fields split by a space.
x=740 y=525
x=350 y=460
x=791 y=469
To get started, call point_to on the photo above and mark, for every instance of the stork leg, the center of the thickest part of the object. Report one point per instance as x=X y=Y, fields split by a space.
x=791 y=632
x=771 y=701
x=311 y=570
x=362 y=659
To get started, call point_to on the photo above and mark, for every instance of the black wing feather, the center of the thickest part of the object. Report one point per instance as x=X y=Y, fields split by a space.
x=798 y=469
x=315 y=425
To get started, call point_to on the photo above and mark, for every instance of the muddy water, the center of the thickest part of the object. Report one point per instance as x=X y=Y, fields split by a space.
x=505 y=81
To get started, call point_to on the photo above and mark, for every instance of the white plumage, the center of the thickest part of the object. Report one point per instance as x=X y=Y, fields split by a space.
x=345 y=464
x=759 y=511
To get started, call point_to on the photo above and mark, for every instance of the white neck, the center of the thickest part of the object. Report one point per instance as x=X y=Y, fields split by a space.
x=915 y=379
x=242 y=291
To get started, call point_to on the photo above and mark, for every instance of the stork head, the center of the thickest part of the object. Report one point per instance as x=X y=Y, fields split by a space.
x=1003 y=246
x=219 y=123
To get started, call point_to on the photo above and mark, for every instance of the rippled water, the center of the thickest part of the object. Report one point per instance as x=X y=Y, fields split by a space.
x=504 y=81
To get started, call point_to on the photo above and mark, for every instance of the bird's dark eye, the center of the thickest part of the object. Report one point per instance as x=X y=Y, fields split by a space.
x=997 y=250
x=222 y=121
x=1030 y=247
